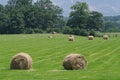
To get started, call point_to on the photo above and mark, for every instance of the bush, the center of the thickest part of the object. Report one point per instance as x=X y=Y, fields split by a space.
x=76 y=31
x=67 y=30
x=58 y=30
x=92 y=32
x=28 y=31
x=49 y=30
x=84 y=33
x=80 y=32
x=36 y=30
x=31 y=31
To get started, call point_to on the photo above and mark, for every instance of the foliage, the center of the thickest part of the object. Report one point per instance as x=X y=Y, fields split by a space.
x=95 y=21
x=80 y=32
x=84 y=22
x=112 y=24
x=78 y=17
x=67 y=30
x=21 y=15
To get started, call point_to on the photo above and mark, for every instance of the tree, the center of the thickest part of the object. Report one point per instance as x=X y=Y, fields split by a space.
x=2 y=18
x=95 y=21
x=111 y=24
x=79 y=15
x=24 y=16
x=84 y=22
x=51 y=14
x=15 y=10
x=78 y=18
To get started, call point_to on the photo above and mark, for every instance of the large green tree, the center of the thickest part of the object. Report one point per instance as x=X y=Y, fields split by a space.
x=79 y=15
x=24 y=16
x=2 y=18
x=15 y=10
x=51 y=14
x=83 y=21
x=95 y=21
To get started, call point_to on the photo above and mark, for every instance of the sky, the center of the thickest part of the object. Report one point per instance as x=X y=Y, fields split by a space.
x=106 y=7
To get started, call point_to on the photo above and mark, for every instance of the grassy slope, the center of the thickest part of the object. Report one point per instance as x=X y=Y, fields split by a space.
x=48 y=54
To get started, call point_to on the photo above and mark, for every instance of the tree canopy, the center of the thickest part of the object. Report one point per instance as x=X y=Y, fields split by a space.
x=24 y=16
x=83 y=20
x=112 y=24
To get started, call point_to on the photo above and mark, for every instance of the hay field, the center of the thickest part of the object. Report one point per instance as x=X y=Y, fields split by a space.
x=103 y=57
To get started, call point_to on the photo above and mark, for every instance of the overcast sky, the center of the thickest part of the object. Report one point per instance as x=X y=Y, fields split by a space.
x=107 y=7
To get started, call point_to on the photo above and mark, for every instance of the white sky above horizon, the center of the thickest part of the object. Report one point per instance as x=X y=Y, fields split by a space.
x=107 y=7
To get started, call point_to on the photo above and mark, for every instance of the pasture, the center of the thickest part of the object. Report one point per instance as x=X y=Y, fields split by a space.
x=103 y=57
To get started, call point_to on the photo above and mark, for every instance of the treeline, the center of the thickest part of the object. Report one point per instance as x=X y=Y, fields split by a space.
x=26 y=16
x=112 y=24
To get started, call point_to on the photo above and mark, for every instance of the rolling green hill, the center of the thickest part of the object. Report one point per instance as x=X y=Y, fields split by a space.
x=103 y=57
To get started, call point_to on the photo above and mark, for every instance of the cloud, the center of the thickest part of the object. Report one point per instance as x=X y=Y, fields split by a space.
x=93 y=8
x=34 y=0
x=71 y=1
x=115 y=9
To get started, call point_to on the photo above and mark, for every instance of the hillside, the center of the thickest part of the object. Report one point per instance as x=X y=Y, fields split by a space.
x=48 y=54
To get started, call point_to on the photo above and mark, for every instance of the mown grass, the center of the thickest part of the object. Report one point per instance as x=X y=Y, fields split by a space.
x=103 y=57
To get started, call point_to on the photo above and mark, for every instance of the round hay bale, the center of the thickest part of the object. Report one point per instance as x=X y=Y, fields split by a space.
x=90 y=37
x=54 y=32
x=74 y=62
x=71 y=38
x=50 y=37
x=105 y=37
x=21 y=61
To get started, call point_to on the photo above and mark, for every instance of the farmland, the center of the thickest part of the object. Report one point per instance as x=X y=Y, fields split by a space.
x=103 y=57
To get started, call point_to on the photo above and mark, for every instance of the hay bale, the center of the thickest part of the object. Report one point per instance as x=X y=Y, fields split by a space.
x=90 y=37
x=21 y=61
x=71 y=38
x=105 y=37
x=74 y=62
x=54 y=32
x=50 y=37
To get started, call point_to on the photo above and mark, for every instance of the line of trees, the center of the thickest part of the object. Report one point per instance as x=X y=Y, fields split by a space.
x=25 y=16
x=111 y=24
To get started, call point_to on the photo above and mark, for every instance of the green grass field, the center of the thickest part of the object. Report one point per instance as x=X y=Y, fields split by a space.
x=103 y=57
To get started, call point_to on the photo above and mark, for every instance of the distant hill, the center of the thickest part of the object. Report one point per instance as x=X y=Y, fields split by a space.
x=112 y=23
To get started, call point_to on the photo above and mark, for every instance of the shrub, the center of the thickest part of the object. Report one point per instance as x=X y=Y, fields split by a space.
x=67 y=30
